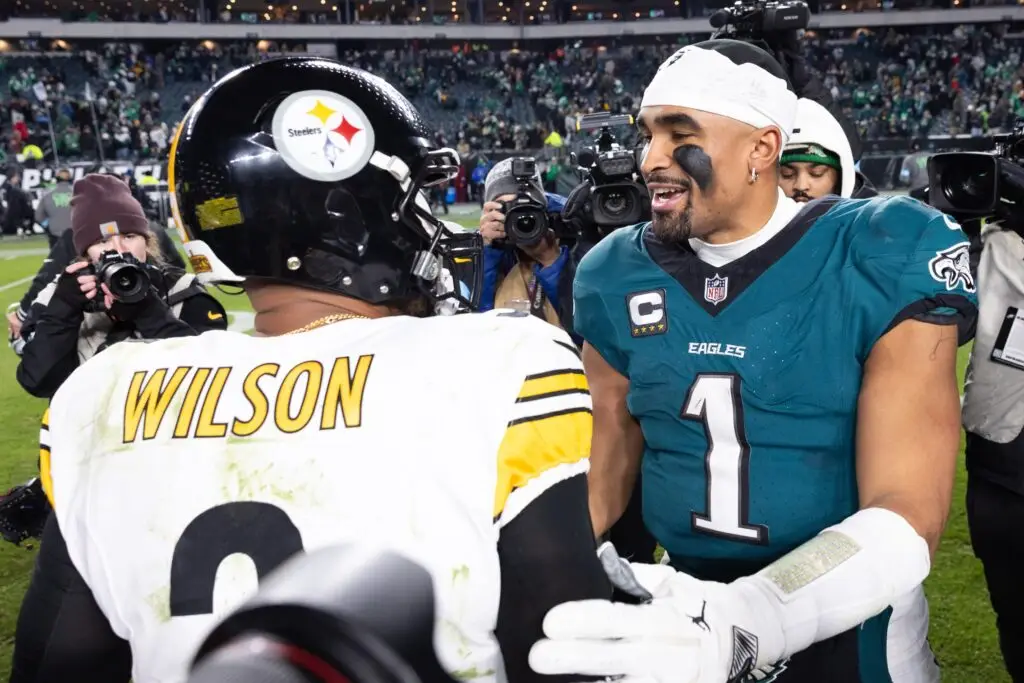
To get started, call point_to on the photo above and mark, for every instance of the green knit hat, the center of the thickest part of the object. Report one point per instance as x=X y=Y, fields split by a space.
x=812 y=154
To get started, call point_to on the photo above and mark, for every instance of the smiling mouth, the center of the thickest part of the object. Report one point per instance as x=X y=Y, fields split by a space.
x=667 y=199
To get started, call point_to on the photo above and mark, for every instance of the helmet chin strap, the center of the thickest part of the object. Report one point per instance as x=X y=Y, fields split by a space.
x=398 y=169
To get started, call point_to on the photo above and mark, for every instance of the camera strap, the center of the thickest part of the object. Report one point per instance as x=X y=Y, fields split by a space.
x=186 y=287
x=535 y=293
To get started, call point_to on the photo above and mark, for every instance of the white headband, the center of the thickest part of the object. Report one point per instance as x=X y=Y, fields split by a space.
x=707 y=80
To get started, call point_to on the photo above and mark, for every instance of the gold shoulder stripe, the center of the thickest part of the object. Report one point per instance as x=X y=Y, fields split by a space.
x=553 y=383
x=45 y=478
x=534 y=445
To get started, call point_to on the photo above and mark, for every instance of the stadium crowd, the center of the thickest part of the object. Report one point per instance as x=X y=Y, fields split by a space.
x=121 y=102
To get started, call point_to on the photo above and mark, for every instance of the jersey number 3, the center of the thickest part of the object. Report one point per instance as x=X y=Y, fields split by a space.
x=714 y=400
x=261 y=531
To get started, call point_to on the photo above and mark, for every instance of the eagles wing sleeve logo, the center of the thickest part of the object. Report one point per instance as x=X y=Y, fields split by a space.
x=744 y=654
x=952 y=267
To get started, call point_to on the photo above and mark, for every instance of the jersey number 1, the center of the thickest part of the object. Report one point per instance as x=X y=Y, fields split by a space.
x=714 y=400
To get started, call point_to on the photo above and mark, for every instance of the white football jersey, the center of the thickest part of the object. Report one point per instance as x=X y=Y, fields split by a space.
x=181 y=470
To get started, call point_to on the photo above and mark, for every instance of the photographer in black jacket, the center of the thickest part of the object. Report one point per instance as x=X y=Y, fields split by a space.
x=61 y=254
x=78 y=314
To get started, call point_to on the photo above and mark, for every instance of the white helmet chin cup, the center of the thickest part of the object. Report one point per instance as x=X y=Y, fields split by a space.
x=209 y=269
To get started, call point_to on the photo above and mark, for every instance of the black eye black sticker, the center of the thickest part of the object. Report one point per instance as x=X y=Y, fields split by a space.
x=696 y=164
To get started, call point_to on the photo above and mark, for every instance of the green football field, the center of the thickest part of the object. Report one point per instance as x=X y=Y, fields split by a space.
x=963 y=626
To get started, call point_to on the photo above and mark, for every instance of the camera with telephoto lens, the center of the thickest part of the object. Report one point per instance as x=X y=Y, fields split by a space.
x=970 y=185
x=617 y=199
x=342 y=613
x=752 y=21
x=123 y=274
x=526 y=219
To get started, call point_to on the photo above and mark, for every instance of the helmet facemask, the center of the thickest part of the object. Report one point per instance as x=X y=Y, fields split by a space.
x=449 y=271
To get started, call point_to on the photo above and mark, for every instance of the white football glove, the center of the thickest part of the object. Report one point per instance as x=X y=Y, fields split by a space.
x=688 y=631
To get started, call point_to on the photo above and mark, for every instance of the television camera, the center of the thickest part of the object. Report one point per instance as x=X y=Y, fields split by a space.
x=617 y=198
x=770 y=25
x=970 y=185
x=753 y=20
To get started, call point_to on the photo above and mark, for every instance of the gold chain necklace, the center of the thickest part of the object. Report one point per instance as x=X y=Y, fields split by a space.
x=327 y=320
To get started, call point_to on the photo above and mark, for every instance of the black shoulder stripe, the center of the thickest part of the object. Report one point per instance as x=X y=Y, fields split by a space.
x=570 y=348
x=545 y=416
x=552 y=373
x=552 y=394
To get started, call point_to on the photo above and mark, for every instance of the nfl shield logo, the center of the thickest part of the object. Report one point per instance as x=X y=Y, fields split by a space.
x=716 y=289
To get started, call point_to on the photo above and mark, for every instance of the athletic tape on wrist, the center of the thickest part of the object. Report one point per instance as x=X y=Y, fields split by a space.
x=843 y=576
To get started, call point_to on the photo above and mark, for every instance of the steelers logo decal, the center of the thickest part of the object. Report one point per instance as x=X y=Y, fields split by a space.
x=323 y=135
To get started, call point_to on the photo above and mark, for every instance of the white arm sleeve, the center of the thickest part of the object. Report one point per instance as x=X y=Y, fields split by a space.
x=845 y=575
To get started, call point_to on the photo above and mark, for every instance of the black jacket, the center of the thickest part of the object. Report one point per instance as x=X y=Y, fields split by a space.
x=863 y=188
x=59 y=336
x=788 y=51
x=19 y=212
x=810 y=87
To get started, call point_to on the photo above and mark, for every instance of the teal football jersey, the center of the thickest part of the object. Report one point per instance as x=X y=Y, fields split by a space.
x=744 y=378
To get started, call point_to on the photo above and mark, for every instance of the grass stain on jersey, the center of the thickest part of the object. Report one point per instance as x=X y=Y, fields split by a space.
x=453 y=632
x=160 y=602
x=105 y=431
x=242 y=481
x=464 y=649
x=460 y=573
x=471 y=673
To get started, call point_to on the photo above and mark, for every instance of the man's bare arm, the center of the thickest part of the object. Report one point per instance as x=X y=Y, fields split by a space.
x=908 y=426
x=617 y=445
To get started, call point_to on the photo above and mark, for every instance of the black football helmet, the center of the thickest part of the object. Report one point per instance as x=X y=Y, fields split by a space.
x=308 y=172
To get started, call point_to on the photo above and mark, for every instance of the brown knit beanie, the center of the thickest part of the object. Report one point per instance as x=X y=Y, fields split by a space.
x=103 y=206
